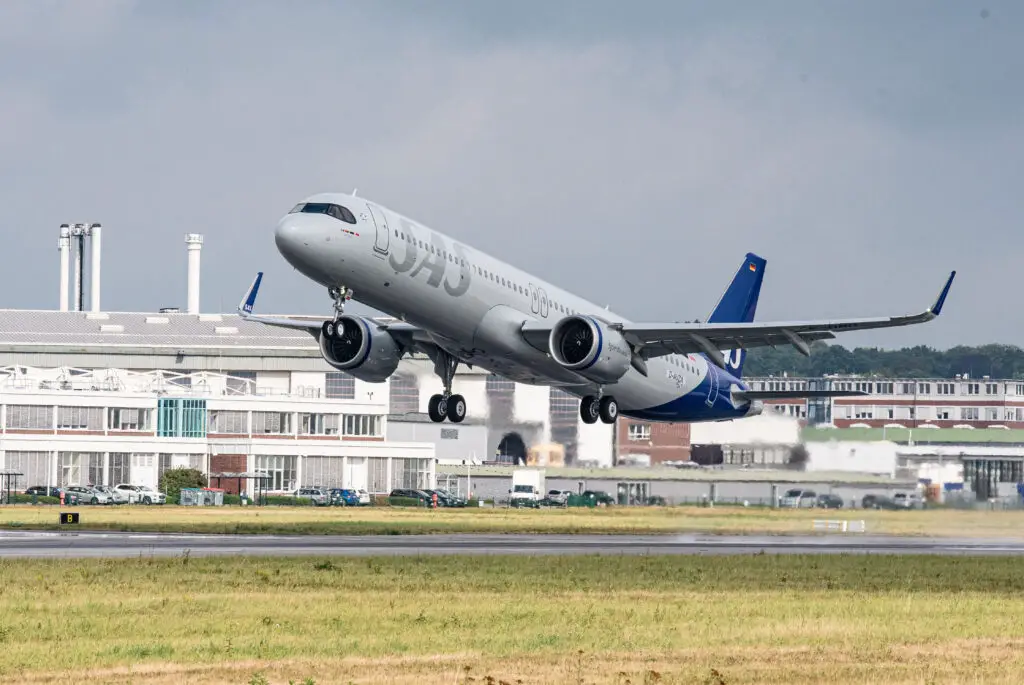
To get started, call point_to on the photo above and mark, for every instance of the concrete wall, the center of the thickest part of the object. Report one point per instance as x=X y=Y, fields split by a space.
x=680 y=491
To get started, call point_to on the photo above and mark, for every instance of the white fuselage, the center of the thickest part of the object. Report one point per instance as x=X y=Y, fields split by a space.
x=473 y=306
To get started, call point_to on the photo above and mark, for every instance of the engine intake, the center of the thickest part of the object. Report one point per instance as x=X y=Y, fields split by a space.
x=362 y=349
x=590 y=348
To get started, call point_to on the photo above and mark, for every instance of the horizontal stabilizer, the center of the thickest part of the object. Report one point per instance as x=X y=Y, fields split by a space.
x=792 y=394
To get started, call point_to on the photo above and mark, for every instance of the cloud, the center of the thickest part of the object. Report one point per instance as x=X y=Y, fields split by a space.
x=626 y=162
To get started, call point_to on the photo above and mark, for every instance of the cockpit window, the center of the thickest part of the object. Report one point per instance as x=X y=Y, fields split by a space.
x=337 y=211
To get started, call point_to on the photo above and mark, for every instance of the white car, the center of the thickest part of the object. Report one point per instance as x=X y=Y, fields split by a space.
x=364 y=496
x=141 y=494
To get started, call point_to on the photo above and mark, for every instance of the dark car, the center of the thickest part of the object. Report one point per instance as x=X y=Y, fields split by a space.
x=829 y=501
x=447 y=499
x=423 y=497
x=43 y=491
x=877 y=502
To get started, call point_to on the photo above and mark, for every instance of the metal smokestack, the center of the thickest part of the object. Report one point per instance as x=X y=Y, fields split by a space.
x=94 y=270
x=195 y=246
x=64 y=247
x=79 y=245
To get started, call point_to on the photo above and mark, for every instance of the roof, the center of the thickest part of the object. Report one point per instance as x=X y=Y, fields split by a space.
x=140 y=330
x=920 y=436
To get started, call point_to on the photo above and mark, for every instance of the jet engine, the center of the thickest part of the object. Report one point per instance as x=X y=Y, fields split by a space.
x=360 y=348
x=590 y=348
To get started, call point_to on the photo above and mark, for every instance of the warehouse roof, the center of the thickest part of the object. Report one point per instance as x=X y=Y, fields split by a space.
x=169 y=331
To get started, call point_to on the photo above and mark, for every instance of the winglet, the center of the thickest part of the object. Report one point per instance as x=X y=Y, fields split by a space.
x=246 y=305
x=936 y=308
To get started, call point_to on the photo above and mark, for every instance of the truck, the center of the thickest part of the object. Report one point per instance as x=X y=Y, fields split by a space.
x=527 y=487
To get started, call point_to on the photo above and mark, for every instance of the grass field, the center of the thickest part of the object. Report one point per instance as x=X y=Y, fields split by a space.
x=685 y=619
x=394 y=521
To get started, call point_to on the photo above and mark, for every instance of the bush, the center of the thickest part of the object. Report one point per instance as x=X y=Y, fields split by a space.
x=174 y=480
x=284 y=501
x=27 y=499
x=405 y=502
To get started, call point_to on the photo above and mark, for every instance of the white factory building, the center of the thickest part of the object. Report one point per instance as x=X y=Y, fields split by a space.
x=89 y=396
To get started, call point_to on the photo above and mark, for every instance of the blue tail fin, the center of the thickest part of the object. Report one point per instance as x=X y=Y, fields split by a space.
x=739 y=303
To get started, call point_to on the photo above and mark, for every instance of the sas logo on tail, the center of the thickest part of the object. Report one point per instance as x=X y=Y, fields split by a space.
x=733 y=358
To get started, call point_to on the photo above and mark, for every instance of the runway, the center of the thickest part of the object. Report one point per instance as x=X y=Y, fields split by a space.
x=29 y=544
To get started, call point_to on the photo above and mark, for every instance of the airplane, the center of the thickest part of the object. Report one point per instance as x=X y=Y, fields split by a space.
x=458 y=305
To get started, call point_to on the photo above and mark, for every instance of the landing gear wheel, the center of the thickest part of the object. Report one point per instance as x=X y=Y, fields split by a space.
x=589 y=411
x=608 y=409
x=456 y=408
x=437 y=407
x=329 y=329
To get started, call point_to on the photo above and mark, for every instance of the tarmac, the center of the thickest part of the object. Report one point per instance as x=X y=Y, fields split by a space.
x=83 y=544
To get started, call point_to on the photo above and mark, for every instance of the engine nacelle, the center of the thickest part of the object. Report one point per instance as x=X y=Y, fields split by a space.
x=362 y=349
x=590 y=348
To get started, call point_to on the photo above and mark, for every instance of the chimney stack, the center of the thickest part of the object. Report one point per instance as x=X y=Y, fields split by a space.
x=195 y=246
x=64 y=247
x=94 y=270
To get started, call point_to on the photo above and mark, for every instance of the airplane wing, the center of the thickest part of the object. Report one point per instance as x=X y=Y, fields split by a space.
x=658 y=339
x=411 y=338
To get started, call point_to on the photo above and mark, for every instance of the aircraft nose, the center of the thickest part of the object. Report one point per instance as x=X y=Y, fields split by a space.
x=289 y=237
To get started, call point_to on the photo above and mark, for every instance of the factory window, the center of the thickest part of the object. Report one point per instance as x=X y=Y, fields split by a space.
x=336 y=211
x=969 y=413
x=405 y=394
x=340 y=386
x=318 y=424
x=80 y=418
x=362 y=425
x=129 y=419
x=79 y=468
x=992 y=414
x=30 y=416
x=639 y=431
x=34 y=467
x=229 y=422
x=281 y=470
x=377 y=474
x=323 y=472
x=924 y=388
x=271 y=423
x=413 y=474
x=119 y=470
x=991 y=388
x=241 y=382
x=972 y=388
x=181 y=418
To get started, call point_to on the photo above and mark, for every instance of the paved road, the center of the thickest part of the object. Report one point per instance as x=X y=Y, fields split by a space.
x=15 y=544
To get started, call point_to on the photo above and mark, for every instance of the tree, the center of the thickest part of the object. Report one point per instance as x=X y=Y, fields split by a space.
x=175 y=479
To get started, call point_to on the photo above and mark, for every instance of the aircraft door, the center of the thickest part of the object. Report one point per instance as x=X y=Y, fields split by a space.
x=713 y=385
x=383 y=240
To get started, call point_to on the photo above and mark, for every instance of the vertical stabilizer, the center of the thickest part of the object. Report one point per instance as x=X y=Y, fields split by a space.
x=738 y=305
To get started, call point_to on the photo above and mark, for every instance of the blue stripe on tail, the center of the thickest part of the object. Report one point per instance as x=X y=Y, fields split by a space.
x=739 y=303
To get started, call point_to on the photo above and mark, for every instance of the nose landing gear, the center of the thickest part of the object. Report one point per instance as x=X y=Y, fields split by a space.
x=340 y=294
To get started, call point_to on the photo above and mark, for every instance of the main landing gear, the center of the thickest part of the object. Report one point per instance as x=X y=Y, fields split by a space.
x=600 y=407
x=446 y=405
x=340 y=295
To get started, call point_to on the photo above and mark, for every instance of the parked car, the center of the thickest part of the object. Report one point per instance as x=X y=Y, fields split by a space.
x=877 y=502
x=43 y=491
x=141 y=494
x=559 y=496
x=318 y=495
x=799 y=498
x=447 y=499
x=364 y=497
x=407 y=493
x=906 y=500
x=344 y=497
x=115 y=496
x=829 y=501
x=87 y=494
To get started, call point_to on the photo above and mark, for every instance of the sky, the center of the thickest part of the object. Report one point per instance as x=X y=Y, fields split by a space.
x=629 y=152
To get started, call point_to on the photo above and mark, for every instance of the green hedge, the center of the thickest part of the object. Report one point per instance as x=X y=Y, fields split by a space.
x=405 y=502
x=27 y=499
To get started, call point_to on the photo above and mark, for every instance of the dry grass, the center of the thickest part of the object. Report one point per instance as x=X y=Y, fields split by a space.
x=632 y=520
x=759 y=618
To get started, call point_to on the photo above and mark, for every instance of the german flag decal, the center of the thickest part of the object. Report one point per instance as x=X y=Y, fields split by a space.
x=752 y=267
